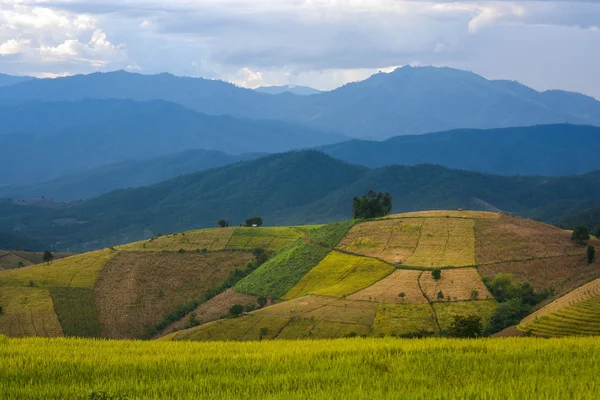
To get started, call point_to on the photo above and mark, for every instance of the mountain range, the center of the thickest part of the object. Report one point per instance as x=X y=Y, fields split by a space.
x=409 y=100
x=293 y=89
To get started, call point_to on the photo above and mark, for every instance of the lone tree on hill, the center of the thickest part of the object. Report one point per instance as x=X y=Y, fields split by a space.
x=223 y=223
x=591 y=254
x=253 y=221
x=580 y=234
x=48 y=257
x=373 y=205
x=436 y=274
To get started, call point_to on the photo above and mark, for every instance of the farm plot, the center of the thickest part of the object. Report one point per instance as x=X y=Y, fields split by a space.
x=389 y=240
x=402 y=286
x=513 y=239
x=340 y=275
x=455 y=285
x=198 y=240
x=444 y=242
x=76 y=271
x=446 y=312
x=28 y=311
x=404 y=319
x=136 y=290
x=447 y=214
x=268 y=238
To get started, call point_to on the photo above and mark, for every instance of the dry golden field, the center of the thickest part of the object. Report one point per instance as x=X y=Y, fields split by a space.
x=455 y=284
x=388 y=289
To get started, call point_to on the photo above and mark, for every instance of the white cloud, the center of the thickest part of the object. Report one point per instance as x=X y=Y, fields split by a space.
x=13 y=46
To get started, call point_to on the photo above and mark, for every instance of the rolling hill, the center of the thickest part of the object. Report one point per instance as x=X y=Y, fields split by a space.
x=293 y=89
x=359 y=277
x=548 y=150
x=11 y=259
x=285 y=189
x=6 y=80
x=68 y=137
x=410 y=100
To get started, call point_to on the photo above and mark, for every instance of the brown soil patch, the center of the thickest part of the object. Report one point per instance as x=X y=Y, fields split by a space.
x=137 y=290
x=511 y=331
x=512 y=239
x=455 y=284
x=388 y=289
x=562 y=273
x=391 y=240
x=213 y=309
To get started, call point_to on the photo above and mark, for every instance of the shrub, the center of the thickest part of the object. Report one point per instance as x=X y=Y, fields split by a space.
x=1 y=310
x=580 y=234
x=475 y=294
x=223 y=223
x=466 y=327
x=236 y=309
x=204 y=250
x=262 y=301
x=440 y=295
x=373 y=205
x=402 y=295
x=48 y=256
x=591 y=254
x=181 y=251
x=263 y=332
x=249 y=307
x=31 y=283
x=436 y=274
x=507 y=314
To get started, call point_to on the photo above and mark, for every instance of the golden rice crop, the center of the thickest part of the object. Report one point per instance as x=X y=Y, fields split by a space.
x=507 y=369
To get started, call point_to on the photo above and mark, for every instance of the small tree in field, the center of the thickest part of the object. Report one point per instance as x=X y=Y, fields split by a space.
x=591 y=254
x=253 y=221
x=440 y=295
x=236 y=309
x=466 y=327
x=436 y=274
x=580 y=234
x=48 y=257
x=223 y=223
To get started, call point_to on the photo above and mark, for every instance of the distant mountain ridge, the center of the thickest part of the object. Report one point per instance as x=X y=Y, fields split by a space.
x=409 y=100
x=547 y=150
x=294 y=89
x=294 y=188
x=71 y=136
x=6 y=80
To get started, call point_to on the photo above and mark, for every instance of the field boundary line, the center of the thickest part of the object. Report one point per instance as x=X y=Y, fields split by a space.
x=429 y=302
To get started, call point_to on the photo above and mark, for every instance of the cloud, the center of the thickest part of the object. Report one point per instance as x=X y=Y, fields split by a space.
x=13 y=46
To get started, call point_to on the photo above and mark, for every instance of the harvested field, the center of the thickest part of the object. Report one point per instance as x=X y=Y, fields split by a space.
x=77 y=271
x=213 y=309
x=346 y=312
x=403 y=319
x=444 y=242
x=455 y=284
x=447 y=214
x=563 y=273
x=308 y=328
x=340 y=275
x=512 y=239
x=209 y=239
x=137 y=290
x=390 y=240
x=446 y=312
x=248 y=327
x=28 y=311
x=389 y=288
x=19 y=259
x=268 y=238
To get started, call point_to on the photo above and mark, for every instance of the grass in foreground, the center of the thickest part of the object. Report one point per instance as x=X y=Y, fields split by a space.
x=514 y=368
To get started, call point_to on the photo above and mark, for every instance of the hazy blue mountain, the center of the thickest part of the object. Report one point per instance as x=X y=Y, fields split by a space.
x=410 y=100
x=6 y=80
x=291 y=188
x=550 y=150
x=127 y=174
x=121 y=130
x=294 y=89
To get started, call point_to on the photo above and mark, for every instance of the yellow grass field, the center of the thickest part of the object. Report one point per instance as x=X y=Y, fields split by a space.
x=340 y=275
x=389 y=288
x=209 y=239
x=455 y=285
x=390 y=240
x=386 y=369
x=28 y=311
x=444 y=242
x=76 y=271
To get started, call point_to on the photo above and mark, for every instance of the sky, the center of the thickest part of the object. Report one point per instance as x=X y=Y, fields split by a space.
x=320 y=43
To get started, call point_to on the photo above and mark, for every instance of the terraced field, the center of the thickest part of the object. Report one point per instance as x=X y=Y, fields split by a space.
x=455 y=285
x=209 y=239
x=577 y=313
x=270 y=239
x=340 y=275
x=10 y=259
